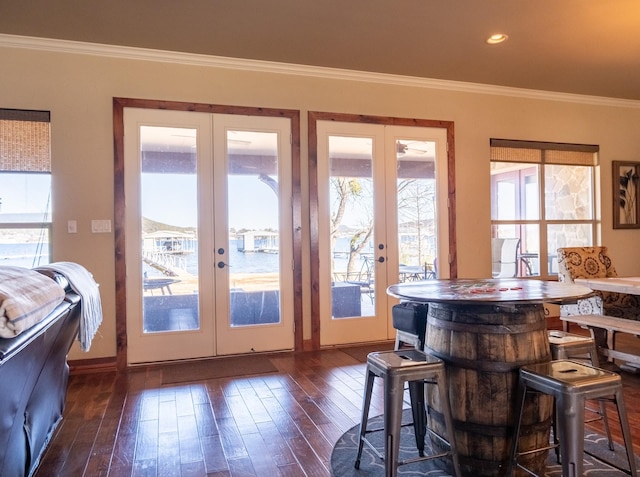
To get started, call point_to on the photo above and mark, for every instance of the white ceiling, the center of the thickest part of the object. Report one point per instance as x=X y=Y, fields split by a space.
x=589 y=47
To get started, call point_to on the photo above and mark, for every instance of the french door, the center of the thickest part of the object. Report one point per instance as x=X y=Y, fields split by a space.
x=208 y=234
x=382 y=208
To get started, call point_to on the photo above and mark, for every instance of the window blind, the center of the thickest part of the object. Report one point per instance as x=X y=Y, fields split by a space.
x=25 y=141
x=509 y=150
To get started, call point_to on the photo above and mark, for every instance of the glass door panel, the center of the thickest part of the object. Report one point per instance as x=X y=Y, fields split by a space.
x=351 y=245
x=254 y=231
x=168 y=205
x=515 y=199
x=253 y=234
x=351 y=227
x=416 y=202
x=168 y=221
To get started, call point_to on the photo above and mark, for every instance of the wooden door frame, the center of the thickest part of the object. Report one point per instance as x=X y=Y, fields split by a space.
x=119 y=203
x=312 y=118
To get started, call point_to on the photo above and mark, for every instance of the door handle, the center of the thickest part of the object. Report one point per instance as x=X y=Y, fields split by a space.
x=381 y=259
x=222 y=265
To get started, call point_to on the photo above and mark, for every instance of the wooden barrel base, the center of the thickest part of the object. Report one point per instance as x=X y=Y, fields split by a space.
x=483 y=347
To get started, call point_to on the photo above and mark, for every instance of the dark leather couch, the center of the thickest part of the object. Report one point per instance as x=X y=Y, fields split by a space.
x=33 y=385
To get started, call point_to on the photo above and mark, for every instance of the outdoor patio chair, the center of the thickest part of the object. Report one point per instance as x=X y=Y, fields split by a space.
x=504 y=257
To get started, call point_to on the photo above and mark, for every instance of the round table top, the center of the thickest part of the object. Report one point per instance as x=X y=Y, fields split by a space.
x=511 y=290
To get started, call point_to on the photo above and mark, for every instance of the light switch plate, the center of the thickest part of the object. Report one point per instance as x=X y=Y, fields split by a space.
x=72 y=227
x=101 y=226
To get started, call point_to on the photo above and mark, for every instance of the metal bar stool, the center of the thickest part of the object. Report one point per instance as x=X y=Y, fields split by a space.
x=410 y=322
x=570 y=383
x=568 y=345
x=396 y=368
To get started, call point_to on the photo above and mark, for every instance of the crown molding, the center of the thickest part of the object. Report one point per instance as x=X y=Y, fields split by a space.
x=192 y=59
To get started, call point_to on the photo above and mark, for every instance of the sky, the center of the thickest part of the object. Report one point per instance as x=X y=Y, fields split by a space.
x=168 y=198
x=24 y=193
x=171 y=199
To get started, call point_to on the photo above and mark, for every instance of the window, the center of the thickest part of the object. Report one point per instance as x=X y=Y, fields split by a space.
x=544 y=195
x=25 y=188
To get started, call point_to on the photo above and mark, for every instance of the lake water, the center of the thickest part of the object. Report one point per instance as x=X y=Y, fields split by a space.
x=30 y=255
x=240 y=262
x=27 y=255
x=257 y=262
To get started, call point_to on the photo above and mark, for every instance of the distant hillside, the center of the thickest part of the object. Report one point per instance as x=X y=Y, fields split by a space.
x=150 y=226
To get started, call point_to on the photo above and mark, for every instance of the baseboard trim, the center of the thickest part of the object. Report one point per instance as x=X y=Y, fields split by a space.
x=90 y=366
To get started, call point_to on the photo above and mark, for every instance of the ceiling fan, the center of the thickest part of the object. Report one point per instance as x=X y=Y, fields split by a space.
x=412 y=146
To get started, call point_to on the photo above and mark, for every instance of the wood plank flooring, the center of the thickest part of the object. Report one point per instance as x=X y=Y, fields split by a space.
x=279 y=424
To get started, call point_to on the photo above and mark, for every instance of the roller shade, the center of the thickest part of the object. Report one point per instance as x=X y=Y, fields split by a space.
x=25 y=138
x=509 y=150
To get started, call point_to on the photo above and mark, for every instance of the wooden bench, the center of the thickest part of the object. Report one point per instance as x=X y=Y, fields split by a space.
x=603 y=329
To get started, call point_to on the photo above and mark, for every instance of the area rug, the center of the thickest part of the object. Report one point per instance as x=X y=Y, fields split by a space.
x=217 y=368
x=360 y=352
x=344 y=454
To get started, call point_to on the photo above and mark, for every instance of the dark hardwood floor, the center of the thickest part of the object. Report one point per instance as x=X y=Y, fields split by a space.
x=278 y=424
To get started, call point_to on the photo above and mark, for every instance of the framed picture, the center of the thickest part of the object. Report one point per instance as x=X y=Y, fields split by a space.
x=626 y=212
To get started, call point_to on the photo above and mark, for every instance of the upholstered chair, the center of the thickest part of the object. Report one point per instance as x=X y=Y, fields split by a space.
x=593 y=262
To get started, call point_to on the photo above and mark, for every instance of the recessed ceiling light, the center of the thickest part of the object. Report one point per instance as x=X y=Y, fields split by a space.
x=497 y=38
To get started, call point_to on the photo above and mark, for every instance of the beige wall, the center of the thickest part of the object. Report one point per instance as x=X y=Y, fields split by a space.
x=78 y=89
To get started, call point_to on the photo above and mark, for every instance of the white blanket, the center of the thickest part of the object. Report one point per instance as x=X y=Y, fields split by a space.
x=26 y=297
x=82 y=282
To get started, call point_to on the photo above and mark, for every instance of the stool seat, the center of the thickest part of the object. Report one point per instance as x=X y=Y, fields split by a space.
x=396 y=368
x=568 y=345
x=409 y=363
x=570 y=383
x=569 y=377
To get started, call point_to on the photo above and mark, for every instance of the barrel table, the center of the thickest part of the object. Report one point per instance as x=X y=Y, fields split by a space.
x=484 y=331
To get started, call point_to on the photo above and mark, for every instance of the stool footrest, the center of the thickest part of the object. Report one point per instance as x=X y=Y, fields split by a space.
x=378 y=454
x=439 y=437
x=423 y=458
x=539 y=449
x=527 y=470
x=379 y=429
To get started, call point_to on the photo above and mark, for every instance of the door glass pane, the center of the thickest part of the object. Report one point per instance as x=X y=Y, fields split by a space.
x=416 y=196
x=514 y=191
x=169 y=210
x=254 y=228
x=515 y=248
x=351 y=226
